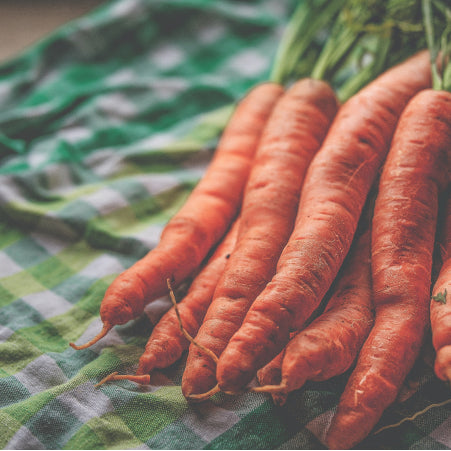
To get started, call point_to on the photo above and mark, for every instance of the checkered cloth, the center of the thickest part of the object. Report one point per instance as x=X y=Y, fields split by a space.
x=105 y=127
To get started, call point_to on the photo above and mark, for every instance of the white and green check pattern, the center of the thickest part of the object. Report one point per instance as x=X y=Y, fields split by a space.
x=105 y=127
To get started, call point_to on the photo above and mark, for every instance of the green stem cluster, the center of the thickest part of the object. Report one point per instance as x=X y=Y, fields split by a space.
x=347 y=42
x=437 y=25
x=301 y=42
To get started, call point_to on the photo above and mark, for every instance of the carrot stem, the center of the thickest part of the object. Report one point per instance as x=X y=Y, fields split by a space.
x=106 y=328
x=298 y=51
x=430 y=39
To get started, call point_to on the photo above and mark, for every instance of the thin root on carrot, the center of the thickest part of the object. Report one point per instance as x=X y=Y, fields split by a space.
x=204 y=396
x=143 y=379
x=106 y=379
x=417 y=414
x=106 y=328
x=269 y=389
x=184 y=331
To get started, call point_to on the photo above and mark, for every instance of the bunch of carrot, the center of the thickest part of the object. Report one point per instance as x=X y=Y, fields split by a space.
x=310 y=239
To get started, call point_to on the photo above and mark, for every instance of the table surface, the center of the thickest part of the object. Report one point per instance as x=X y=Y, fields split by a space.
x=23 y=22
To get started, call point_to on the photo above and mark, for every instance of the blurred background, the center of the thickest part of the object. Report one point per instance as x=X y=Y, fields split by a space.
x=23 y=22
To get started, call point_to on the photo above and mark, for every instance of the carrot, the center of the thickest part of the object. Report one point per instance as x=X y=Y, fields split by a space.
x=293 y=134
x=335 y=190
x=404 y=223
x=330 y=344
x=200 y=223
x=167 y=342
x=440 y=308
x=271 y=374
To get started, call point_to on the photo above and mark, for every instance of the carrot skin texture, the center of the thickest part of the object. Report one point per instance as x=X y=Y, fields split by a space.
x=288 y=143
x=330 y=344
x=335 y=190
x=404 y=223
x=202 y=220
x=167 y=342
x=441 y=312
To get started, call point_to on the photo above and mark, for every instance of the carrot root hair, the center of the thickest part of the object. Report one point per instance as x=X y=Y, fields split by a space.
x=200 y=396
x=142 y=379
x=204 y=396
x=414 y=416
x=281 y=388
x=184 y=331
x=106 y=328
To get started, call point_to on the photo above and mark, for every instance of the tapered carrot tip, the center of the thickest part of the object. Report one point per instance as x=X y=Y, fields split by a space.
x=145 y=367
x=143 y=379
x=106 y=328
x=203 y=396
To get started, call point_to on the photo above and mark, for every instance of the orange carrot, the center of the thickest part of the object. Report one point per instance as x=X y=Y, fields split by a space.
x=200 y=223
x=293 y=134
x=330 y=344
x=335 y=190
x=168 y=341
x=271 y=374
x=404 y=223
x=441 y=306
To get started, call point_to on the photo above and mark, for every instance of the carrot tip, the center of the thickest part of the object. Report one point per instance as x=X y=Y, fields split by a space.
x=106 y=328
x=203 y=396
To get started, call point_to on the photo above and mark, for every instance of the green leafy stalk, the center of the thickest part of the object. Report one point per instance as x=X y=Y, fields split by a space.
x=368 y=72
x=301 y=42
x=431 y=42
x=331 y=56
x=437 y=25
x=446 y=51
x=381 y=30
x=348 y=42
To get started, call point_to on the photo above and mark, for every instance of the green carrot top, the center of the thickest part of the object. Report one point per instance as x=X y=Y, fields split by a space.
x=348 y=43
x=437 y=25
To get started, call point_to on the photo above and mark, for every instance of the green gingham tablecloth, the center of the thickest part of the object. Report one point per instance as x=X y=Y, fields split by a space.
x=105 y=127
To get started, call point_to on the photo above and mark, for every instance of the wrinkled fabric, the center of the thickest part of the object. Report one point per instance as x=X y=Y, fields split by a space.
x=106 y=126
